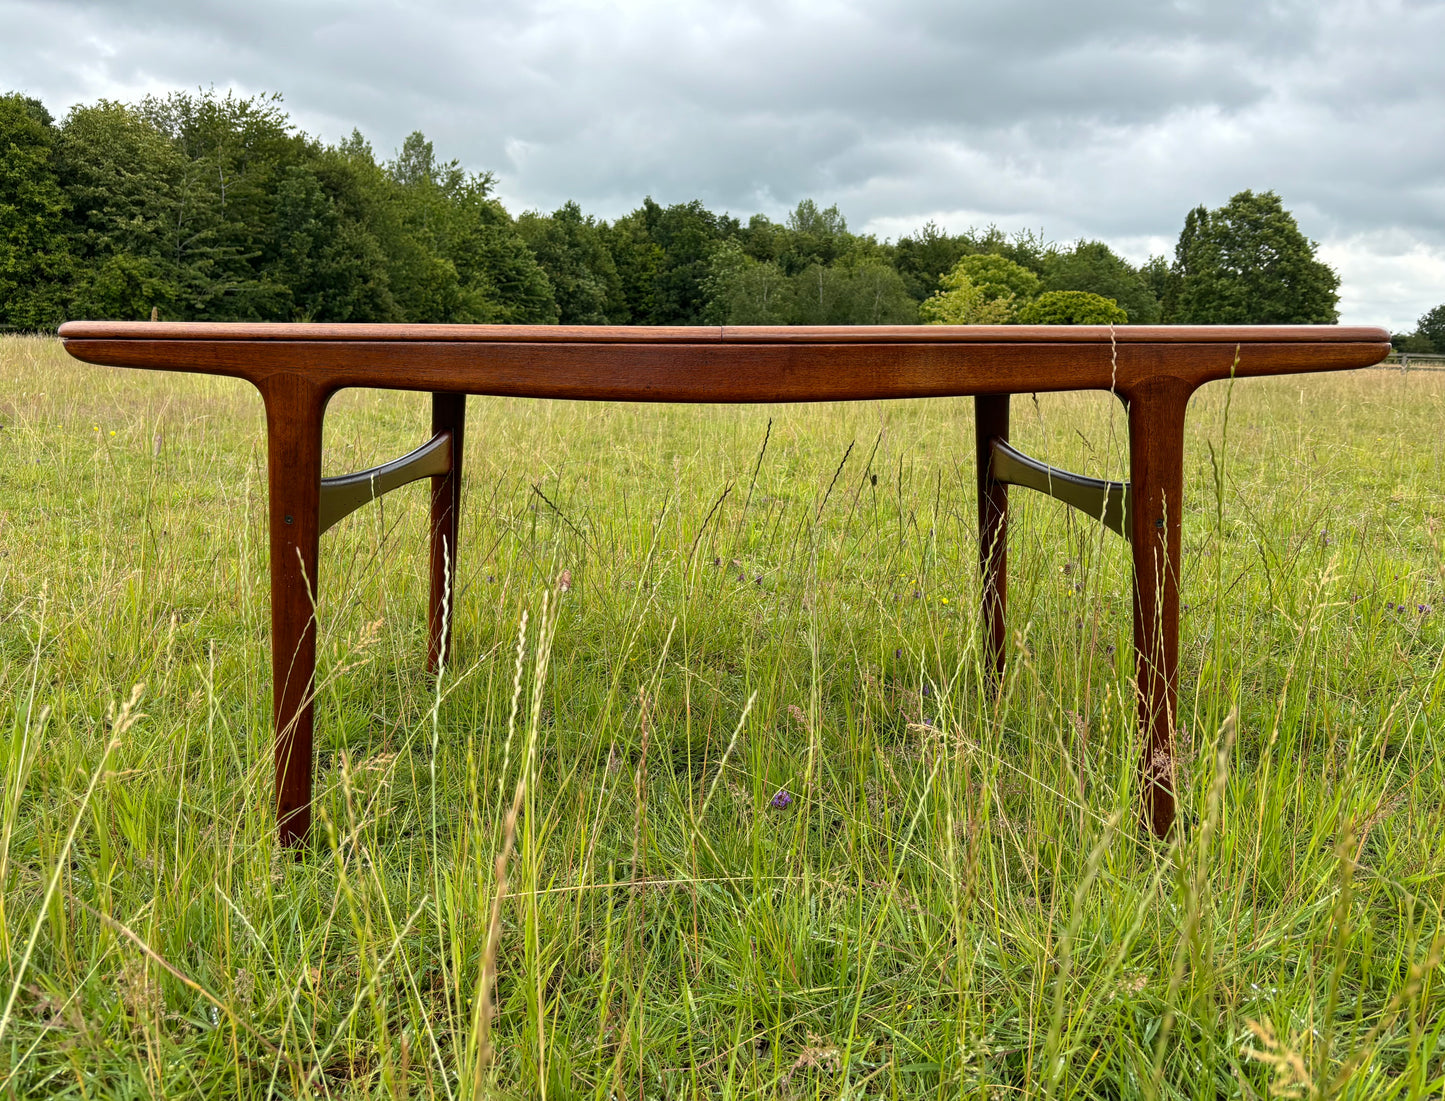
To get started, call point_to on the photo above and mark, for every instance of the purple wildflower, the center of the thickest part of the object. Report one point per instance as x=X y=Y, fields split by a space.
x=782 y=800
x=1423 y=609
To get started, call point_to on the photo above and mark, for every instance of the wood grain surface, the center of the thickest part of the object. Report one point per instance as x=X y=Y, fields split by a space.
x=776 y=364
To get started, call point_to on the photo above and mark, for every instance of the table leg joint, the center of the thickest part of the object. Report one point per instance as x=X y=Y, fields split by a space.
x=343 y=495
x=1108 y=502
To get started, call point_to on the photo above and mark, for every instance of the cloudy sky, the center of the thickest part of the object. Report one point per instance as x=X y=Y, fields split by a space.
x=1107 y=119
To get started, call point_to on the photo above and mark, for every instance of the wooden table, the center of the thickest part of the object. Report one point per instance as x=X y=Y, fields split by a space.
x=297 y=368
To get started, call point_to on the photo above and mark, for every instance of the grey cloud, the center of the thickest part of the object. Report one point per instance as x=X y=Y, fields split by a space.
x=1107 y=119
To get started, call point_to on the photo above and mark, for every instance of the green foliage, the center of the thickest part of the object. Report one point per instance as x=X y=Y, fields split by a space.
x=1094 y=267
x=35 y=261
x=1412 y=342
x=1072 y=308
x=663 y=257
x=816 y=237
x=211 y=206
x=924 y=258
x=960 y=301
x=572 y=249
x=1248 y=263
x=743 y=290
x=459 y=258
x=860 y=290
x=1432 y=328
x=214 y=207
x=998 y=277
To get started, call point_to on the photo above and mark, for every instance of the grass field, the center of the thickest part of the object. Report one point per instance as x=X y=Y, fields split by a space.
x=714 y=713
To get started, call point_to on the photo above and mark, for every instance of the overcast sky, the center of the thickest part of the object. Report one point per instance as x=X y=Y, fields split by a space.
x=1107 y=119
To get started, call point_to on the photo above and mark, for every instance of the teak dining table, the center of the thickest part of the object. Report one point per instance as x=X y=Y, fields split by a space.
x=298 y=367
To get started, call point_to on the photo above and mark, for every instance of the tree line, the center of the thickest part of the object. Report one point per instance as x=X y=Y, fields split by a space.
x=216 y=207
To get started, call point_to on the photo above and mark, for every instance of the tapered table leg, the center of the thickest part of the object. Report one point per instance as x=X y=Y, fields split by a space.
x=294 y=410
x=1156 y=460
x=990 y=423
x=449 y=414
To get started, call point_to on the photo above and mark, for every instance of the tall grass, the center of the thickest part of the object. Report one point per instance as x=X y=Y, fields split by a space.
x=710 y=801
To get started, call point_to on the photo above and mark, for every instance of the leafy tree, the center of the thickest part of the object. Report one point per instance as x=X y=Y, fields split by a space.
x=742 y=290
x=1248 y=263
x=233 y=153
x=923 y=258
x=875 y=293
x=1093 y=266
x=1412 y=342
x=460 y=259
x=1432 y=328
x=999 y=277
x=763 y=239
x=663 y=257
x=961 y=301
x=637 y=258
x=129 y=231
x=35 y=261
x=573 y=252
x=1162 y=284
x=326 y=234
x=1072 y=308
x=815 y=237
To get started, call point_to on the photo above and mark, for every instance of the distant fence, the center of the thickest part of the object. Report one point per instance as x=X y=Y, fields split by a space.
x=1411 y=361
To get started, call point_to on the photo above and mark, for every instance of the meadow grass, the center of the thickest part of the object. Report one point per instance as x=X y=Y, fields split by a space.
x=710 y=801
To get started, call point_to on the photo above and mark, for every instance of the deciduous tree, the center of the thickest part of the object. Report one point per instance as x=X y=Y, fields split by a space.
x=1248 y=263
x=35 y=261
x=1432 y=328
x=1072 y=308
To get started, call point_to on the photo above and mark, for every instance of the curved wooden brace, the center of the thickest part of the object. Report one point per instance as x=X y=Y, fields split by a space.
x=343 y=495
x=1108 y=502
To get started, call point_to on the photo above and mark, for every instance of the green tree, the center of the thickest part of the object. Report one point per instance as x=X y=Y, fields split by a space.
x=1412 y=342
x=1094 y=267
x=572 y=250
x=131 y=234
x=1432 y=328
x=816 y=236
x=460 y=258
x=234 y=152
x=961 y=301
x=1162 y=284
x=320 y=247
x=1248 y=263
x=35 y=260
x=663 y=257
x=875 y=294
x=924 y=257
x=1072 y=308
x=999 y=277
x=742 y=290
x=763 y=239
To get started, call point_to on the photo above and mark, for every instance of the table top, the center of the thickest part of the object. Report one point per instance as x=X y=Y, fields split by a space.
x=726 y=363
